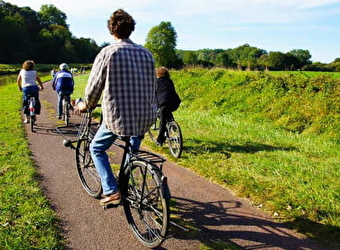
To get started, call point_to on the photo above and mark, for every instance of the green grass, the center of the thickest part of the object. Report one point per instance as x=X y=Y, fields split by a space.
x=26 y=219
x=272 y=138
x=15 y=68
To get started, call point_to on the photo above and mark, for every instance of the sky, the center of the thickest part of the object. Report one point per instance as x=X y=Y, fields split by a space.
x=272 y=25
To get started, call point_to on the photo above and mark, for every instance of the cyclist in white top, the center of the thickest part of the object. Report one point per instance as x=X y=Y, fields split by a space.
x=27 y=83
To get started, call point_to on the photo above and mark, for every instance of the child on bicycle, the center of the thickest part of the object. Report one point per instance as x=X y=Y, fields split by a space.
x=63 y=84
x=167 y=100
x=27 y=83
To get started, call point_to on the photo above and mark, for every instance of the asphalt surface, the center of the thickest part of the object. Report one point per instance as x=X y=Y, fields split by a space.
x=210 y=212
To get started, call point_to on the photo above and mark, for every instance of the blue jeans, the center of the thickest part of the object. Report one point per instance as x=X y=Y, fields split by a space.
x=101 y=142
x=60 y=100
x=33 y=91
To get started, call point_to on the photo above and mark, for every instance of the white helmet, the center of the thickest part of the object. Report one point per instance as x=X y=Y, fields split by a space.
x=63 y=66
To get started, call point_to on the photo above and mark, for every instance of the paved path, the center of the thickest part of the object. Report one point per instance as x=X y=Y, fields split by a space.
x=214 y=211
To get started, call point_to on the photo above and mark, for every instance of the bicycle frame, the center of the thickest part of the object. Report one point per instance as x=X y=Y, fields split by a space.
x=144 y=188
x=150 y=158
x=173 y=134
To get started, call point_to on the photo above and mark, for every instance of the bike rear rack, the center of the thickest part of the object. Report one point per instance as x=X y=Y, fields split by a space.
x=147 y=156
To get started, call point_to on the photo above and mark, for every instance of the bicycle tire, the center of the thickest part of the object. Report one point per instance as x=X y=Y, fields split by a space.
x=32 y=120
x=146 y=205
x=86 y=169
x=66 y=116
x=31 y=113
x=154 y=130
x=175 y=139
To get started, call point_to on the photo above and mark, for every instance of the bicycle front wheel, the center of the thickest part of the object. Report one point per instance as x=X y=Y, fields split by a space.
x=87 y=172
x=175 y=139
x=146 y=204
x=154 y=130
x=66 y=116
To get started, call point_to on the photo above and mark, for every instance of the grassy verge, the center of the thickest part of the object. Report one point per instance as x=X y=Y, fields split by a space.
x=6 y=69
x=26 y=218
x=272 y=138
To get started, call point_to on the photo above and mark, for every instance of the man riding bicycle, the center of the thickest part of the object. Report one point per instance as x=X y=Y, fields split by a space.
x=124 y=75
x=63 y=84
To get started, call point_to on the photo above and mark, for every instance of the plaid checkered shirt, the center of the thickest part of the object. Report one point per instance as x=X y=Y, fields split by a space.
x=123 y=74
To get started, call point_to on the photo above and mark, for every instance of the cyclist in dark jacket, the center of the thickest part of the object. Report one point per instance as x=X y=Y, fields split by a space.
x=167 y=100
x=63 y=84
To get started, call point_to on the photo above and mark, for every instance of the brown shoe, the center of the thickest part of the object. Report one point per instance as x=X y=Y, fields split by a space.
x=111 y=199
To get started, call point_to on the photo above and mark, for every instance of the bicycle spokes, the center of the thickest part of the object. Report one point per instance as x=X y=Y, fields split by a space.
x=175 y=139
x=146 y=209
x=87 y=172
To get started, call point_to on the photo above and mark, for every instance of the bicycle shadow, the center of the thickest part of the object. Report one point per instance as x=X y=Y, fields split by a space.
x=215 y=222
x=44 y=128
x=227 y=148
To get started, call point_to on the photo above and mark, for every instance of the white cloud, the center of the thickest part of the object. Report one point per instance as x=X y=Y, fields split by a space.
x=301 y=4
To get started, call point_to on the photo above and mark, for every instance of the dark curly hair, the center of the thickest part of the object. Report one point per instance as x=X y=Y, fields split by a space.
x=121 y=24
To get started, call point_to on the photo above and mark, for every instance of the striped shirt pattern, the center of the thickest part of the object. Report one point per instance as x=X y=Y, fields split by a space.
x=123 y=74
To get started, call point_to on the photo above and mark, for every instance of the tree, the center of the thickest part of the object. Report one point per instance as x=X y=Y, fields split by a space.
x=12 y=43
x=85 y=49
x=303 y=57
x=292 y=62
x=276 y=60
x=161 y=41
x=51 y=15
x=55 y=41
x=189 y=58
x=42 y=36
x=223 y=60
x=336 y=60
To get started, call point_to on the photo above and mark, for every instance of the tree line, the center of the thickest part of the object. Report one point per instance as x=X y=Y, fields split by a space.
x=44 y=36
x=162 y=40
x=246 y=57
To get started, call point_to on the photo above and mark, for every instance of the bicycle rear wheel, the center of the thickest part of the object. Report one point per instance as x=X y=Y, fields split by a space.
x=146 y=203
x=31 y=112
x=154 y=130
x=87 y=172
x=32 y=121
x=175 y=139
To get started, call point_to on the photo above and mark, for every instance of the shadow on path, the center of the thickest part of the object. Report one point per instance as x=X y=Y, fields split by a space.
x=228 y=148
x=216 y=221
